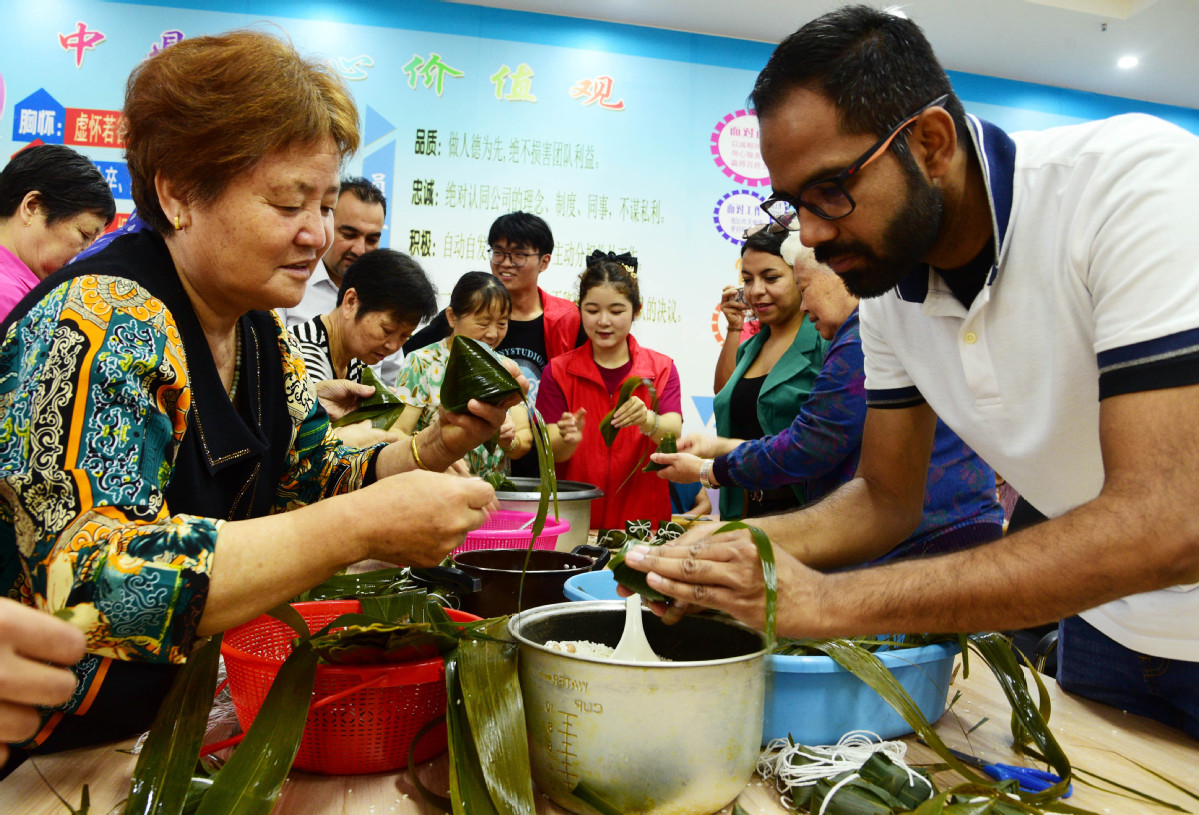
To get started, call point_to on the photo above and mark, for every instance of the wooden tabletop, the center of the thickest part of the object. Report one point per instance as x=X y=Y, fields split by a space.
x=1098 y=739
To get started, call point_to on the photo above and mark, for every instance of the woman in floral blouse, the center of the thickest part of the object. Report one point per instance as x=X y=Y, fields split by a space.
x=479 y=309
x=166 y=471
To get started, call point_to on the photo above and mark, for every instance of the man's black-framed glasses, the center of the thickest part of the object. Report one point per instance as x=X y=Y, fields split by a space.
x=828 y=197
x=518 y=258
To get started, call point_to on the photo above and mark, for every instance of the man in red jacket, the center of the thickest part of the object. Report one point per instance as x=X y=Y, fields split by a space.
x=541 y=325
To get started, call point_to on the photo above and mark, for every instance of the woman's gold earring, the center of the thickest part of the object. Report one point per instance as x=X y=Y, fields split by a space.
x=176 y=223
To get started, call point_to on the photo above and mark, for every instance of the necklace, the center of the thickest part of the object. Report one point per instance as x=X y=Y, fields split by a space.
x=236 y=364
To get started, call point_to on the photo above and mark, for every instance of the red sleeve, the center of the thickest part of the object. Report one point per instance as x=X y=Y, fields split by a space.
x=551 y=401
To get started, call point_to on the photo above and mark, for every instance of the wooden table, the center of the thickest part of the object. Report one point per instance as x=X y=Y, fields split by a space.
x=1097 y=738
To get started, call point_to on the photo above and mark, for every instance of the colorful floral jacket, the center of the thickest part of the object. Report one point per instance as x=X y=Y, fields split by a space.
x=121 y=456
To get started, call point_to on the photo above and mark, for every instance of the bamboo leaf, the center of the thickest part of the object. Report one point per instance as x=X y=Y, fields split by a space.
x=438 y=802
x=381 y=408
x=669 y=444
x=868 y=668
x=286 y=614
x=1027 y=719
x=468 y=789
x=625 y=575
x=252 y=779
x=607 y=431
x=495 y=710
x=164 y=767
x=1166 y=779
x=769 y=574
x=548 y=490
x=473 y=371
x=593 y=799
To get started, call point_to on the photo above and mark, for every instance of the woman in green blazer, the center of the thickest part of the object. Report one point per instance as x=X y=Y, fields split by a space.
x=774 y=369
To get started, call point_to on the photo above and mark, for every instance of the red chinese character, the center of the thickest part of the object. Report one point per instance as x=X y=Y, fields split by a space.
x=597 y=90
x=82 y=40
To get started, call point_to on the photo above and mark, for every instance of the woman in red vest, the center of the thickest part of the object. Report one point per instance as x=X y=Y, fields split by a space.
x=579 y=387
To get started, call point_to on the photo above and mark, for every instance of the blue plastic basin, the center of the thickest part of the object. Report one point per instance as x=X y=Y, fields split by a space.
x=600 y=585
x=815 y=700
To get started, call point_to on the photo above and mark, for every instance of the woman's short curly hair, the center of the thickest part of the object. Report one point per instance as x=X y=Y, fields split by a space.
x=208 y=109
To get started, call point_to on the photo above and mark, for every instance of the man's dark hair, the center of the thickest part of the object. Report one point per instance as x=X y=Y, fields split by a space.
x=390 y=282
x=522 y=229
x=66 y=182
x=764 y=240
x=364 y=191
x=875 y=67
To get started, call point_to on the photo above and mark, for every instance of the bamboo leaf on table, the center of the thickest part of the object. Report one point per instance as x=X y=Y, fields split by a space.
x=468 y=788
x=495 y=711
x=163 y=772
x=251 y=780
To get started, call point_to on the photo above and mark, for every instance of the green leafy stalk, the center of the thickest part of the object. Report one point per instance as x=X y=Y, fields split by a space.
x=495 y=710
x=625 y=575
x=868 y=668
x=163 y=773
x=548 y=487
x=253 y=777
x=1028 y=722
x=468 y=788
x=769 y=574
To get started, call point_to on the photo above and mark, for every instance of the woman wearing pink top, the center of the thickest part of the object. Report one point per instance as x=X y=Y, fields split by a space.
x=53 y=204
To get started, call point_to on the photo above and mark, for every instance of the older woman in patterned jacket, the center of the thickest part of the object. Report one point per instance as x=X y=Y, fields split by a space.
x=166 y=471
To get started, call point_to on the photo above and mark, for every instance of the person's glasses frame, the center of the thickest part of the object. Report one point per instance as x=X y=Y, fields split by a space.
x=784 y=210
x=517 y=258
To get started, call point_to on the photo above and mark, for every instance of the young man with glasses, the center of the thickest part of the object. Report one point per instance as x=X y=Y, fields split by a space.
x=541 y=326
x=1038 y=292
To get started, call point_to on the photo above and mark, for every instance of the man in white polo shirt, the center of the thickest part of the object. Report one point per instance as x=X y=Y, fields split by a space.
x=1039 y=292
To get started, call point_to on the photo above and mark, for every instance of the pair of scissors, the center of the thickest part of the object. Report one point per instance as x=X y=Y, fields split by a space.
x=1029 y=779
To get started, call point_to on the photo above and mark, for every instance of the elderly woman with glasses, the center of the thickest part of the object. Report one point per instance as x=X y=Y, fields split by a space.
x=171 y=473
x=762 y=382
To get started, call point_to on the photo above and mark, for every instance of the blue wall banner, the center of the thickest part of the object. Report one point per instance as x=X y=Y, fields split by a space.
x=622 y=138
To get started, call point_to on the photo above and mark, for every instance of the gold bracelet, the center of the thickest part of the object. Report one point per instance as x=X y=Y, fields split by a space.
x=416 y=456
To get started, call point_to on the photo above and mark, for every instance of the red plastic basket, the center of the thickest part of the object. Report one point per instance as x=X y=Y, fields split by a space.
x=502 y=531
x=363 y=717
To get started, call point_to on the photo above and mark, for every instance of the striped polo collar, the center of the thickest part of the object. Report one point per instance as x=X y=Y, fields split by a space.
x=997 y=157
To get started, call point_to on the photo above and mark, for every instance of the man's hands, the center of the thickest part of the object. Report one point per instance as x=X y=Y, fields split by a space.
x=724 y=571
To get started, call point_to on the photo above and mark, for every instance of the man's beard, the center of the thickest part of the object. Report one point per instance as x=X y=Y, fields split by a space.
x=908 y=237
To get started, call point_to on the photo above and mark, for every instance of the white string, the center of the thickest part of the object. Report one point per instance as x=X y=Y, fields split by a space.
x=847 y=755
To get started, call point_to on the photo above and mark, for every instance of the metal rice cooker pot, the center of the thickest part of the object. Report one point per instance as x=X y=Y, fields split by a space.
x=574 y=506
x=665 y=738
